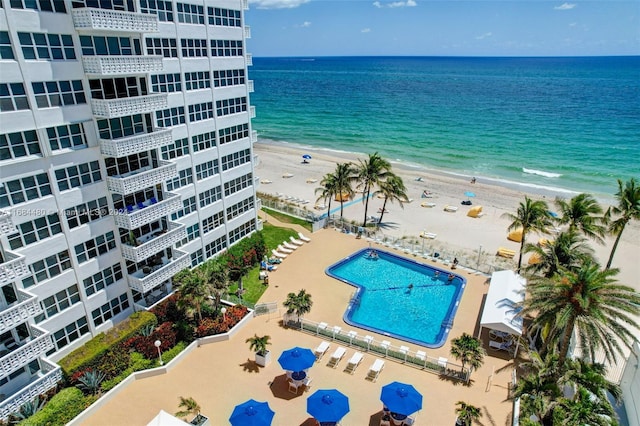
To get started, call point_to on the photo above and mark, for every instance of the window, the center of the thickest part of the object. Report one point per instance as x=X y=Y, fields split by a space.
x=190 y=13
x=95 y=247
x=46 y=268
x=58 y=93
x=110 y=309
x=226 y=47
x=116 y=46
x=102 y=279
x=239 y=208
x=197 y=80
x=236 y=159
x=189 y=207
x=58 y=302
x=123 y=165
x=47 y=46
x=116 y=88
x=185 y=177
x=41 y=5
x=210 y=196
x=241 y=231
x=158 y=7
x=166 y=47
x=231 y=106
x=12 y=97
x=203 y=141
x=35 y=230
x=6 y=51
x=225 y=78
x=237 y=184
x=69 y=334
x=130 y=125
x=193 y=48
x=193 y=232
x=199 y=112
x=196 y=258
x=233 y=133
x=224 y=17
x=212 y=222
x=80 y=175
x=87 y=212
x=24 y=189
x=215 y=247
x=19 y=144
x=178 y=148
x=207 y=169
x=123 y=5
x=67 y=136
x=164 y=83
x=170 y=117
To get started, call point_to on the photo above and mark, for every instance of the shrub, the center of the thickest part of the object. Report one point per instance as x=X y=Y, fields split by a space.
x=90 y=381
x=145 y=344
x=167 y=310
x=61 y=409
x=209 y=326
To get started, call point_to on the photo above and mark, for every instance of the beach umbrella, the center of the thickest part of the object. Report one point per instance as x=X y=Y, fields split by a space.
x=252 y=413
x=297 y=359
x=306 y=157
x=469 y=194
x=328 y=405
x=401 y=398
x=552 y=214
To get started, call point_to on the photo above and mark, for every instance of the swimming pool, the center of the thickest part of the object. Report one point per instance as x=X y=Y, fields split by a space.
x=400 y=297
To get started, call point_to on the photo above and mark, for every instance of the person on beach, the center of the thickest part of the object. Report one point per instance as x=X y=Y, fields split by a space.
x=455 y=263
x=425 y=194
x=473 y=180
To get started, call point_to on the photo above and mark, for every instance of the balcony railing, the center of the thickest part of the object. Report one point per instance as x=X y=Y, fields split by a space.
x=154 y=242
x=113 y=108
x=256 y=161
x=32 y=348
x=121 y=65
x=254 y=136
x=6 y=223
x=252 y=112
x=123 y=147
x=135 y=217
x=143 y=178
x=47 y=378
x=114 y=20
x=250 y=86
x=145 y=281
x=245 y=4
x=249 y=59
x=13 y=267
x=20 y=311
x=247 y=31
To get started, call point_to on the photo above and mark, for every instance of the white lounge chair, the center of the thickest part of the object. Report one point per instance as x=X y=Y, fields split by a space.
x=450 y=209
x=321 y=349
x=303 y=238
x=278 y=254
x=385 y=345
x=289 y=246
x=336 y=356
x=287 y=175
x=404 y=350
x=422 y=356
x=295 y=241
x=284 y=249
x=354 y=362
x=375 y=369
x=442 y=362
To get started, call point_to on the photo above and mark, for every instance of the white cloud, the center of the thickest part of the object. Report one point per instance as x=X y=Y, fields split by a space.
x=565 y=6
x=408 y=3
x=365 y=30
x=483 y=36
x=306 y=24
x=573 y=24
x=277 y=4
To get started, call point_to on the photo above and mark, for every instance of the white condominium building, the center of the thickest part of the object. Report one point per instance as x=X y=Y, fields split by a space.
x=125 y=156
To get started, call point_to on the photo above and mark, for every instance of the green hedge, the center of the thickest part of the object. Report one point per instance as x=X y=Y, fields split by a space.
x=61 y=409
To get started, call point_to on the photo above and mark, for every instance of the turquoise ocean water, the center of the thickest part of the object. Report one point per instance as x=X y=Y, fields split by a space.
x=567 y=124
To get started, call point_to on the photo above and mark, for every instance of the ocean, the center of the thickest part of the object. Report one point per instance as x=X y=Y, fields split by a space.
x=559 y=124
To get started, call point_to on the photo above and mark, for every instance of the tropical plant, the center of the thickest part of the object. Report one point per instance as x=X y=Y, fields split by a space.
x=259 y=344
x=218 y=278
x=582 y=213
x=586 y=300
x=90 y=381
x=392 y=189
x=568 y=250
x=298 y=304
x=584 y=409
x=189 y=406
x=467 y=413
x=147 y=330
x=327 y=190
x=369 y=174
x=28 y=409
x=628 y=209
x=532 y=215
x=193 y=291
x=468 y=350
x=342 y=178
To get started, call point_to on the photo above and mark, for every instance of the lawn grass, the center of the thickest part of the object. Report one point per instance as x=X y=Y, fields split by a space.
x=285 y=218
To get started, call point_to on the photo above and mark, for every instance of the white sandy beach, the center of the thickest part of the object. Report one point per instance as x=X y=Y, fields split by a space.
x=457 y=234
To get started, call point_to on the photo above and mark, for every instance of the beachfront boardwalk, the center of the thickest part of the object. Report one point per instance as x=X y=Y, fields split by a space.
x=222 y=375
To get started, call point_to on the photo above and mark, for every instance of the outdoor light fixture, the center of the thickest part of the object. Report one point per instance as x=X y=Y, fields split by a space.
x=157 y=344
x=224 y=313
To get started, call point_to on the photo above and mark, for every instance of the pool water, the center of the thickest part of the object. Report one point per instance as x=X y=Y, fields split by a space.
x=385 y=303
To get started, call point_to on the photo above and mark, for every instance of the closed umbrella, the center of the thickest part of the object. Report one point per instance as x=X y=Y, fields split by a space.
x=328 y=405
x=297 y=359
x=252 y=413
x=401 y=398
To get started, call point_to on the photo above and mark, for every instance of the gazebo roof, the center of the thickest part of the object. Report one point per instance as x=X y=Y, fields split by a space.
x=506 y=290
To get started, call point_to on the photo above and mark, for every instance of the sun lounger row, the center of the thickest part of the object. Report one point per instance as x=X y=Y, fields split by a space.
x=287 y=248
x=352 y=363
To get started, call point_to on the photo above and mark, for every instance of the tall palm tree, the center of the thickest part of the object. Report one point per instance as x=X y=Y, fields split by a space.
x=568 y=250
x=468 y=350
x=392 y=189
x=589 y=301
x=628 y=209
x=584 y=409
x=467 y=413
x=342 y=176
x=532 y=215
x=327 y=190
x=193 y=292
x=298 y=304
x=216 y=277
x=582 y=213
x=369 y=174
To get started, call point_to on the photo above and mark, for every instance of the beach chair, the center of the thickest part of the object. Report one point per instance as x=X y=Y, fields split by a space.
x=284 y=249
x=442 y=362
x=354 y=362
x=450 y=209
x=505 y=252
x=321 y=349
x=404 y=350
x=375 y=369
x=303 y=238
x=427 y=204
x=422 y=356
x=289 y=246
x=295 y=241
x=278 y=254
x=385 y=345
x=336 y=356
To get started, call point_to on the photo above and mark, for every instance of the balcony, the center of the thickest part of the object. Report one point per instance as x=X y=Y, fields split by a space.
x=113 y=108
x=148 y=212
x=245 y=4
x=89 y=19
x=254 y=136
x=144 y=281
x=12 y=267
x=6 y=224
x=25 y=351
x=47 y=378
x=250 y=87
x=249 y=59
x=128 y=145
x=142 y=178
x=20 y=311
x=154 y=242
x=256 y=161
x=252 y=112
x=247 y=31
x=106 y=66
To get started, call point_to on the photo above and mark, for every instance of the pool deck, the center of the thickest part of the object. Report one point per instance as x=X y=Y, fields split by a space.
x=221 y=375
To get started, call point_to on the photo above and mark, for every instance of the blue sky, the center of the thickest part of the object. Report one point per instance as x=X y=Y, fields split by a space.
x=443 y=28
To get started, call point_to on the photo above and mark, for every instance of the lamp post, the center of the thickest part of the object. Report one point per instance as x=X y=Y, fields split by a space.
x=479 y=254
x=224 y=313
x=157 y=344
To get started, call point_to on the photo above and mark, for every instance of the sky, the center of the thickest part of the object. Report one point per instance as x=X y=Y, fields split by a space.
x=443 y=28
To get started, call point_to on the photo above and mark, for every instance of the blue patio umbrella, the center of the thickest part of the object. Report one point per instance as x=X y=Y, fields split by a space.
x=252 y=413
x=328 y=405
x=306 y=157
x=470 y=194
x=401 y=398
x=297 y=359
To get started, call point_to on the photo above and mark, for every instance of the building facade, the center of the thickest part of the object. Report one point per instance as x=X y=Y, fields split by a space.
x=125 y=156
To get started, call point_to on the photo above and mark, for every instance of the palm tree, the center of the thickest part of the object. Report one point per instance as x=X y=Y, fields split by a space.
x=193 y=291
x=589 y=301
x=532 y=215
x=581 y=213
x=468 y=350
x=342 y=178
x=370 y=173
x=538 y=388
x=298 y=304
x=327 y=191
x=217 y=278
x=584 y=409
x=259 y=344
x=467 y=413
x=567 y=250
x=189 y=406
x=628 y=209
x=392 y=189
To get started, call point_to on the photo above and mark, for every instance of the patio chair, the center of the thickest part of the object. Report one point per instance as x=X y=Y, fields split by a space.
x=321 y=349
x=375 y=369
x=294 y=386
x=295 y=241
x=303 y=238
x=307 y=383
x=501 y=346
x=354 y=362
x=336 y=356
x=141 y=205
